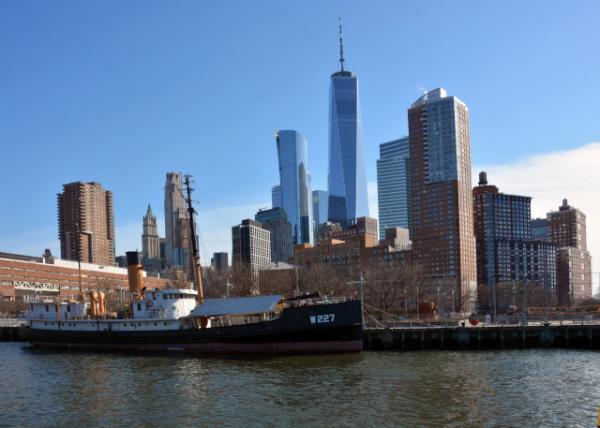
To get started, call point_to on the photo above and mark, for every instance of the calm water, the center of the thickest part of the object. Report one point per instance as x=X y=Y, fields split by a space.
x=509 y=388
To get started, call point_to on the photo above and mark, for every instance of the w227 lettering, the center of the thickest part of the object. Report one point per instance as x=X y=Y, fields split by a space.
x=321 y=319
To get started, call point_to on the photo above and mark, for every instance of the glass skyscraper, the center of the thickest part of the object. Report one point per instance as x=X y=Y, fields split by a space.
x=347 y=182
x=320 y=201
x=392 y=185
x=275 y=221
x=276 y=196
x=295 y=194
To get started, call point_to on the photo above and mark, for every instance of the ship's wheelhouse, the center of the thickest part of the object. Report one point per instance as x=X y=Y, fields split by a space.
x=172 y=303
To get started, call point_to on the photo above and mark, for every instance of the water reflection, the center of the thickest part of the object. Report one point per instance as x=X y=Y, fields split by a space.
x=512 y=388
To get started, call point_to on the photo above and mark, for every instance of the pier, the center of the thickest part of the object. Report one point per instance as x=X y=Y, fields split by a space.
x=575 y=336
x=9 y=329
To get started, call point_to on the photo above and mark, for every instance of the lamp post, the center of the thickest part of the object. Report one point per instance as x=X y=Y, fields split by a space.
x=361 y=282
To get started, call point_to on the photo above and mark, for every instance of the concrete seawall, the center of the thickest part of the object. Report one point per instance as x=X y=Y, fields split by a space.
x=493 y=337
x=9 y=334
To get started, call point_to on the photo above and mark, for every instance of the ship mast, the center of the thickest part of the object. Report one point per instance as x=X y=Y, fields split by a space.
x=192 y=212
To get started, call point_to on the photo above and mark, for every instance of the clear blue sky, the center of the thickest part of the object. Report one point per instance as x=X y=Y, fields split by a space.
x=122 y=92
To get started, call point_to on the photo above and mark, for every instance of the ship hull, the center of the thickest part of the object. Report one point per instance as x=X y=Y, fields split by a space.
x=326 y=328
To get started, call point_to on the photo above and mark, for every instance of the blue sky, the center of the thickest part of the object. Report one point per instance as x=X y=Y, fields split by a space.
x=122 y=92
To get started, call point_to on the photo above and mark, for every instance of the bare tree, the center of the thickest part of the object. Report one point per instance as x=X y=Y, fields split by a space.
x=323 y=279
x=177 y=278
x=243 y=282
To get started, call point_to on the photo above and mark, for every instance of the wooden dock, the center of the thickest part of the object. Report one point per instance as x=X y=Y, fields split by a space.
x=576 y=336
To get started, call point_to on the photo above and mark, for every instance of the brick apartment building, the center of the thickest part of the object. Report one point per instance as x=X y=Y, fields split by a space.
x=567 y=231
x=86 y=225
x=356 y=248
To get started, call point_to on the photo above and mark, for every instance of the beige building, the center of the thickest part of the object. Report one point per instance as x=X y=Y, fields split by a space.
x=150 y=238
x=86 y=226
x=251 y=246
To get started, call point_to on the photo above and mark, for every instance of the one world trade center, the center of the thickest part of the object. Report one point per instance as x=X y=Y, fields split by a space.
x=347 y=182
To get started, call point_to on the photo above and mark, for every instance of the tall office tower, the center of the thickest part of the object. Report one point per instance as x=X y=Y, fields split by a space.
x=347 y=180
x=251 y=246
x=392 y=185
x=567 y=230
x=86 y=225
x=150 y=238
x=220 y=262
x=506 y=250
x=320 y=201
x=276 y=196
x=441 y=202
x=275 y=221
x=178 y=244
x=292 y=152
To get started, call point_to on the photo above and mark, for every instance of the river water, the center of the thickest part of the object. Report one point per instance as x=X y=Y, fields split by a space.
x=505 y=388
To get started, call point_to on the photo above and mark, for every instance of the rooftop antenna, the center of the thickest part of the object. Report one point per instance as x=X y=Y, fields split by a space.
x=341 y=45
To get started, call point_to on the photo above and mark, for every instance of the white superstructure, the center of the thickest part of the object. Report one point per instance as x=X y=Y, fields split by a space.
x=157 y=310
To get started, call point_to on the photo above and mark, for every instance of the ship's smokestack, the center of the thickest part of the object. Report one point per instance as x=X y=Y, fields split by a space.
x=134 y=273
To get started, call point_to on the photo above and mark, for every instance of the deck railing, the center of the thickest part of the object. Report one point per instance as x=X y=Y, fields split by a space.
x=12 y=322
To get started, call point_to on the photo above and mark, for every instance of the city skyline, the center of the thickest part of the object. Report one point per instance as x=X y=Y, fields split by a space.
x=16 y=233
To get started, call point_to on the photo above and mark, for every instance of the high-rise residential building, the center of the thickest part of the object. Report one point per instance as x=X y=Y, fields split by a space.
x=567 y=230
x=567 y=227
x=150 y=238
x=497 y=216
x=220 y=262
x=347 y=180
x=275 y=221
x=539 y=229
x=392 y=185
x=86 y=226
x=441 y=202
x=276 y=196
x=251 y=246
x=506 y=250
x=178 y=244
x=519 y=260
x=320 y=201
x=292 y=152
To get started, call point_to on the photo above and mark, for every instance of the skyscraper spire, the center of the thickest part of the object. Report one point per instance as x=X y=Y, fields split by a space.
x=341 y=45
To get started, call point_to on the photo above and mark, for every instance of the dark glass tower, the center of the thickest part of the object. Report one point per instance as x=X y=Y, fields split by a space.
x=347 y=182
x=392 y=185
